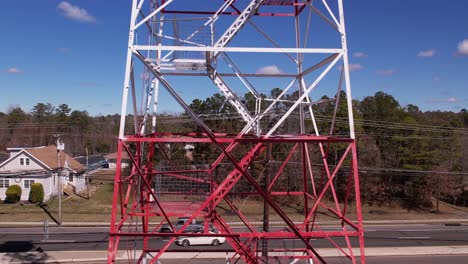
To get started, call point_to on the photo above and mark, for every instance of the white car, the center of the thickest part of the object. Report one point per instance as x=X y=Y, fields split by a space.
x=201 y=240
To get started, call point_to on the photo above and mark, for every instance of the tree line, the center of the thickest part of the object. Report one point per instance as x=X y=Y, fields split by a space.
x=41 y=126
x=406 y=155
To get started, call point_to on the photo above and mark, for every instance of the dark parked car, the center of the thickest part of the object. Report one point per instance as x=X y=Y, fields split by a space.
x=194 y=227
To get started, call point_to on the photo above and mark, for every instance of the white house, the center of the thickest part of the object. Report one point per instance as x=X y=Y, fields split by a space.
x=26 y=166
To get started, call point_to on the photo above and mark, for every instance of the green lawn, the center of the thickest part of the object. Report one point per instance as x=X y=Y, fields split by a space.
x=74 y=209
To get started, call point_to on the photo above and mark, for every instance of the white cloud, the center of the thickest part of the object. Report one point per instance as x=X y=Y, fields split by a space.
x=463 y=47
x=426 y=53
x=386 y=72
x=359 y=55
x=436 y=78
x=444 y=100
x=13 y=70
x=355 y=67
x=75 y=12
x=270 y=69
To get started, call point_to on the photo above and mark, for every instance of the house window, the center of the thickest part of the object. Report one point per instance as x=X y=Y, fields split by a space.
x=70 y=177
x=28 y=183
x=5 y=183
x=24 y=161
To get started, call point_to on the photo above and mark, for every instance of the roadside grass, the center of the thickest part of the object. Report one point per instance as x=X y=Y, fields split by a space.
x=254 y=209
x=99 y=207
x=74 y=209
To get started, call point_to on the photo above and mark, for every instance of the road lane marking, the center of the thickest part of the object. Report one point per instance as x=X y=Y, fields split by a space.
x=433 y=230
x=57 y=241
x=413 y=237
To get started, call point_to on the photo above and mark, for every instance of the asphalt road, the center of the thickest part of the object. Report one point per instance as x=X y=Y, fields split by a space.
x=15 y=239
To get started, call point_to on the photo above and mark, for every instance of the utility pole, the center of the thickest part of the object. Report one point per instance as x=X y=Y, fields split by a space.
x=266 y=207
x=465 y=149
x=86 y=174
x=60 y=146
x=438 y=194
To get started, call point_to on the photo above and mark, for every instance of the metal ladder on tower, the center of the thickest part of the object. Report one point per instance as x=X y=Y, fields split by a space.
x=241 y=20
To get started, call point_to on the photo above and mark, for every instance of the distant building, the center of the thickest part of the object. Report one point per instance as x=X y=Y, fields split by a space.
x=26 y=166
x=112 y=160
x=92 y=162
x=189 y=147
x=189 y=151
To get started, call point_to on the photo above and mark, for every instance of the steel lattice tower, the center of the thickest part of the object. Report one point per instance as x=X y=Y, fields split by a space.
x=282 y=151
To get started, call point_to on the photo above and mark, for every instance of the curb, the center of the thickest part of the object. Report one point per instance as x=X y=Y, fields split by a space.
x=100 y=256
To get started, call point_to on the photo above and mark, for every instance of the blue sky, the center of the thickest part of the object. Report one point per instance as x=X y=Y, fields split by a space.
x=414 y=50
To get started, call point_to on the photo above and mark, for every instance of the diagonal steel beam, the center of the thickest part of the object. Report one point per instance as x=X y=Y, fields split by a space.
x=280 y=170
x=217 y=195
x=327 y=184
x=304 y=95
x=274 y=206
x=320 y=64
x=152 y=14
x=235 y=242
x=322 y=16
x=230 y=95
x=146 y=183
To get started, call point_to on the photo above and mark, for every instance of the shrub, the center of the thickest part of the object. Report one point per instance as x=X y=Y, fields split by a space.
x=36 y=195
x=13 y=194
